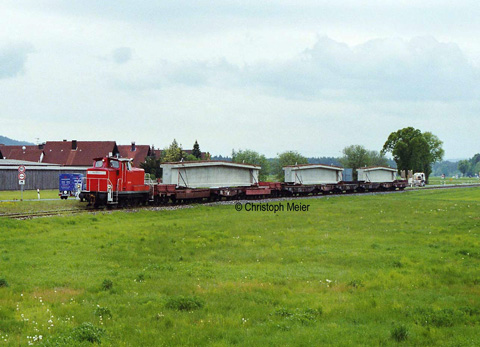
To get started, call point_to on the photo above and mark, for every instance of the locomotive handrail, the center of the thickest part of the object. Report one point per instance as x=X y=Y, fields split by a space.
x=149 y=181
x=118 y=186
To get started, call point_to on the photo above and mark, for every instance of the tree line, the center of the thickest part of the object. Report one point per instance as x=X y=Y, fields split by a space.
x=411 y=150
x=173 y=153
x=470 y=167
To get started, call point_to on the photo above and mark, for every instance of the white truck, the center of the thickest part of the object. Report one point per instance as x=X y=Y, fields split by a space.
x=418 y=180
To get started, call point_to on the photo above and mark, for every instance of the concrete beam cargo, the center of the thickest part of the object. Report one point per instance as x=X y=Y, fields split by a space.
x=313 y=174
x=377 y=174
x=209 y=174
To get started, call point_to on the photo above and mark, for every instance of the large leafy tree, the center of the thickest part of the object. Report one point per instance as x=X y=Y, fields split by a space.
x=464 y=166
x=284 y=159
x=475 y=159
x=470 y=166
x=414 y=150
x=476 y=169
x=251 y=157
x=173 y=152
x=377 y=159
x=357 y=156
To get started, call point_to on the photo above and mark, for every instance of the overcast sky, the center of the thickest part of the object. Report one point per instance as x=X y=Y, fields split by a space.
x=308 y=75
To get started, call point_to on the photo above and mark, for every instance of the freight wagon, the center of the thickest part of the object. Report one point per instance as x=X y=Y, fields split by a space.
x=113 y=181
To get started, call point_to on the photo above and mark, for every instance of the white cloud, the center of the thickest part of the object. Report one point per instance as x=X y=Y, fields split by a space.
x=394 y=69
x=419 y=69
x=122 y=55
x=13 y=58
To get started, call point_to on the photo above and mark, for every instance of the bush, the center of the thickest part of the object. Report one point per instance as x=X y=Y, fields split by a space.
x=88 y=332
x=397 y=264
x=356 y=283
x=306 y=316
x=182 y=303
x=399 y=333
x=103 y=312
x=443 y=318
x=107 y=284
x=83 y=335
x=438 y=318
x=283 y=312
x=3 y=282
x=470 y=311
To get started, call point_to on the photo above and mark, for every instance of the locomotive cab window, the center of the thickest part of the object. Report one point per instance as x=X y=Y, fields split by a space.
x=114 y=164
x=99 y=163
x=129 y=166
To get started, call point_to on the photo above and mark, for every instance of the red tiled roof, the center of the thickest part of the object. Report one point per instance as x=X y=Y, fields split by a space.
x=61 y=152
x=157 y=153
x=138 y=156
x=30 y=153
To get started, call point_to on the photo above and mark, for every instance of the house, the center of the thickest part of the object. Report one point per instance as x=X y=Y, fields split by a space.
x=77 y=153
x=25 y=153
x=136 y=152
x=38 y=175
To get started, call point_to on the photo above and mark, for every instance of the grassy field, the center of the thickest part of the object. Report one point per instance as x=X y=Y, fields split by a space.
x=449 y=180
x=7 y=207
x=10 y=202
x=28 y=194
x=353 y=270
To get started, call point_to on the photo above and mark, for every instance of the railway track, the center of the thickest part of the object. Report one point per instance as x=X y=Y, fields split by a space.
x=38 y=214
x=447 y=186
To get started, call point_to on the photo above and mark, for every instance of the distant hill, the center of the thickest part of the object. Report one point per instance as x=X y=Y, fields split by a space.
x=9 y=142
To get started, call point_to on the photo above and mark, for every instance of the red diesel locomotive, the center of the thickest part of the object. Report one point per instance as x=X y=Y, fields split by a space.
x=113 y=181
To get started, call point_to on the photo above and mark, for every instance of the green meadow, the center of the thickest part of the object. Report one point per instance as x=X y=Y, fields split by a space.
x=393 y=269
x=29 y=194
x=448 y=180
x=49 y=201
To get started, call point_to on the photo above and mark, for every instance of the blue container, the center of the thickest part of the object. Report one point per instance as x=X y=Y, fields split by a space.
x=347 y=175
x=69 y=184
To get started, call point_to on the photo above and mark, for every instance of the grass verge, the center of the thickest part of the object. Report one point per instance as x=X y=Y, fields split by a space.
x=353 y=270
